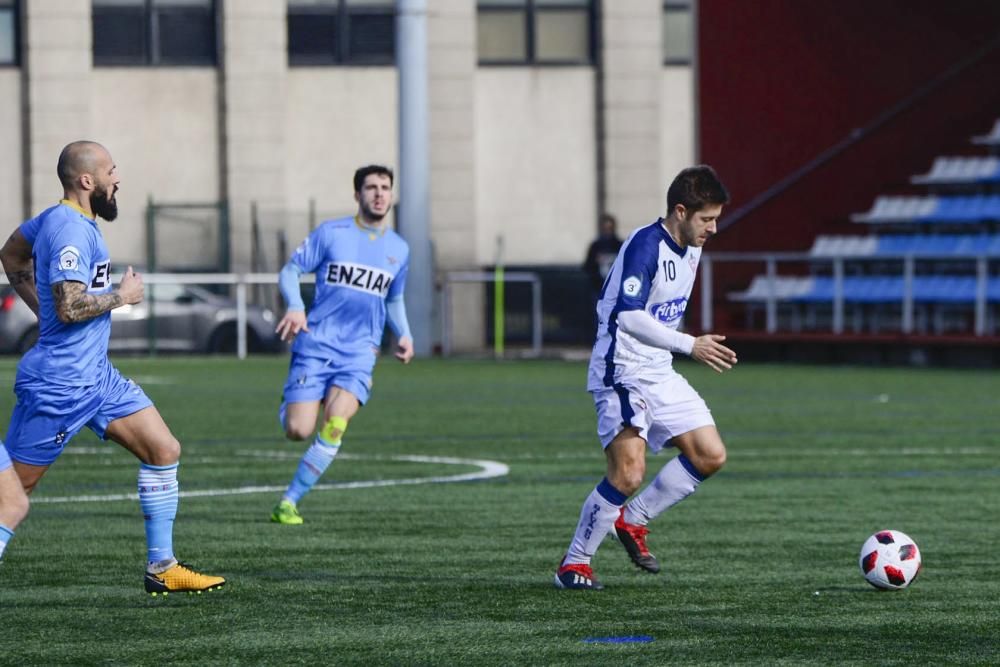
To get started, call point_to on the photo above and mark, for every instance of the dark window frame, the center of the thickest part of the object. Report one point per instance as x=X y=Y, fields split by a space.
x=15 y=10
x=339 y=54
x=152 y=55
x=680 y=7
x=530 y=9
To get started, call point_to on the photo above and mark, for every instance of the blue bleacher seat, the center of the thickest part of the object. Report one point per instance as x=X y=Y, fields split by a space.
x=889 y=289
x=990 y=139
x=959 y=170
x=960 y=209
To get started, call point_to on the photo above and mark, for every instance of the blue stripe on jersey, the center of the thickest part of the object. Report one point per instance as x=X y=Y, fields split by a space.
x=627 y=411
x=640 y=256
x=609 y=357
x=671 y=243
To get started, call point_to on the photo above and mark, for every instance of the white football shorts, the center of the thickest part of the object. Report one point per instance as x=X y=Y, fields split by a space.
x=661 y=409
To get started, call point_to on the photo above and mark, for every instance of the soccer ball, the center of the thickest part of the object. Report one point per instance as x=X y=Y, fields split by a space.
x=889 y=560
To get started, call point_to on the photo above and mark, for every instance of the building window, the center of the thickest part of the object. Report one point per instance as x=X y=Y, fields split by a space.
x=154 y=32
x=341 y=32
x=678 y=32
x=535 y=32
x=8 y=32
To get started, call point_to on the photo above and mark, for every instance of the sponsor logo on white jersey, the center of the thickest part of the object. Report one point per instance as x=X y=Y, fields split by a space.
x=359 y=277
x=669 y=311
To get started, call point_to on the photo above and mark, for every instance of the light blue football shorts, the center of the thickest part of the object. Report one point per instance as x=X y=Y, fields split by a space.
x=47 y=416
x=309 y=378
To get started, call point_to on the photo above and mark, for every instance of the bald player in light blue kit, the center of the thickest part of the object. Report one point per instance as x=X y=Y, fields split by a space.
x=360 y=266
x=60 y=266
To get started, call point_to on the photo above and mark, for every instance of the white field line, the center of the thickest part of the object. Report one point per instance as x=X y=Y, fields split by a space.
x=487 y=470
x=735 y=452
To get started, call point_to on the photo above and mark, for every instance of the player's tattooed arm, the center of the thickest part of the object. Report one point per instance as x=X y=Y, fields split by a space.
x=73 y=304
x=20 y=268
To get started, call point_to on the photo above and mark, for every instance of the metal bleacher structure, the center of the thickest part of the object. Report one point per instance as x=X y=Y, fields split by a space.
x=929 y=265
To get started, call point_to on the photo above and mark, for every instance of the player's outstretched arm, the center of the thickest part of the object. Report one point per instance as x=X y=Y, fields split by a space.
x=20 y=268
x=709 y=350
x=294 y=320
x=404 y=349
x=395 y=311
x=73 y=304
x=291 y=324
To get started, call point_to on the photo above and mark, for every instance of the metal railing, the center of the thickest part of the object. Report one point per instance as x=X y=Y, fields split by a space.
x=837 y=265
x=486 y=277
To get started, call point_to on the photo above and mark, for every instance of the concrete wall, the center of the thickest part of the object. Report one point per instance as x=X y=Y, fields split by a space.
x=336 y=120
x=677 y=126
x=535 y=164
x=11 y=169
x=161 y=126
x=514 y=150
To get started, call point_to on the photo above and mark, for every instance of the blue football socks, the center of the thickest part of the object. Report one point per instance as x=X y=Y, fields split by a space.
x=158 y=494
x=6 y=535
x=313 y=464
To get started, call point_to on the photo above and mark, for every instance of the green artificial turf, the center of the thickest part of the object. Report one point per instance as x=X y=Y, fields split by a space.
x=392 y=567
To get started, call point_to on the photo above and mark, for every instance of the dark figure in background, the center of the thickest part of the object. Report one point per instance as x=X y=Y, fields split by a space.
x=602 y=253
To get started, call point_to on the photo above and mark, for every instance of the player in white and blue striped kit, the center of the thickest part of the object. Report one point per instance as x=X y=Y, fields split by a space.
x=360 y=266
x=640 y=400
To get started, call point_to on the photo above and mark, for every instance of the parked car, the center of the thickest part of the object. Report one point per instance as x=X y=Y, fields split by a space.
x=187 y=318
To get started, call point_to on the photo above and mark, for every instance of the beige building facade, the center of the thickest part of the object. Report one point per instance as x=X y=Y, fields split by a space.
x=526 y=152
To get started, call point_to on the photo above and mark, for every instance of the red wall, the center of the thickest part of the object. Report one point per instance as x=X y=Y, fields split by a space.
x=781 y=81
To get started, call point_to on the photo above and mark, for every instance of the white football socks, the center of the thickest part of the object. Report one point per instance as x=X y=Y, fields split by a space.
x=675 y=482
x=596 y=519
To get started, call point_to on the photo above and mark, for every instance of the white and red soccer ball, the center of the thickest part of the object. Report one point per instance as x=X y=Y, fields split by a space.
x=890 y=560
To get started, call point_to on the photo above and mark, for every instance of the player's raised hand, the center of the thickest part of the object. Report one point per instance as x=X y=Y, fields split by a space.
x=404 y=350
x=291 y=324
x=709 y=350
x=131 y=288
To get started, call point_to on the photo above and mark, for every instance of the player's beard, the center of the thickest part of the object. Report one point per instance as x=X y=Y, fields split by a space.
x=371 y=215
x=104 y=204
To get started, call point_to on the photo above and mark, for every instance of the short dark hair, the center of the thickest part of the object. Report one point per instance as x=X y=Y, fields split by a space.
x=364 y=172
x=695 y=188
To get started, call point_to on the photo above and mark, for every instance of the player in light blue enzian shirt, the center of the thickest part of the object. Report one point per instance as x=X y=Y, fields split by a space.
x=59 y=264
x=360 y=266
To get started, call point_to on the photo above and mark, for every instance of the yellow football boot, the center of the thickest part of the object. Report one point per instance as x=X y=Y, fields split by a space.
x=180 y=578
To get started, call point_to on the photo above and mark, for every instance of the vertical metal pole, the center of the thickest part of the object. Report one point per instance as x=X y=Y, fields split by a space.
x=499 y=303
x=772 y=295
x=224 y=237
x=838 y=295
x=706 y=294
x=981 y=276
x=414 y=167
x=536 y=316
x=909 y=266
x=446 y=318
x=150 y=297
x=150 y=235
x=241 y=316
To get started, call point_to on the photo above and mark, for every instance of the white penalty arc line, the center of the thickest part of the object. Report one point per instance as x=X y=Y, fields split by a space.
x=487 y=470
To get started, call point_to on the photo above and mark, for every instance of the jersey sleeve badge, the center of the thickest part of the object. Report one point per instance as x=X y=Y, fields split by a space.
x=69 y=259
x=632 y=286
